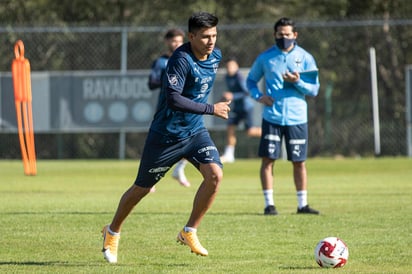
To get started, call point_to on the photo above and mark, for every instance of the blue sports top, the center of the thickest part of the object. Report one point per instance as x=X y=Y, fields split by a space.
x=237 y=85
x=289 y=107
x=184 y=94
x=157 y=72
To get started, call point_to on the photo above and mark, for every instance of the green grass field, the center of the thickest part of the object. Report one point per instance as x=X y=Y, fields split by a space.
x=51 y=222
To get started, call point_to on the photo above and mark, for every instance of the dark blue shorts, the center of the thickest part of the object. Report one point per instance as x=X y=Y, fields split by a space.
x=296 y=141
x=235 y=117
x=160 y=154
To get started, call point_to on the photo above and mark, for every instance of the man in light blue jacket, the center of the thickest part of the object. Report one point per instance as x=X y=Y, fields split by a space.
x=290 y=74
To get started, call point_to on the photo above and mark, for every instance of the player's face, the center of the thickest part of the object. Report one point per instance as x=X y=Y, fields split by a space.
x=285 y=32
x=231 y=67
x=203 y=42
x=174 y=42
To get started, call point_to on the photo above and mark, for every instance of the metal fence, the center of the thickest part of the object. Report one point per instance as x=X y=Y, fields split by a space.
x=340 y=124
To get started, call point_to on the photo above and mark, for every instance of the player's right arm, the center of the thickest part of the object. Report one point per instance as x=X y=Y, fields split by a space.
x=155 y=76
x=255 y=74
x=176 y=73
x=221 y=109
x=253 y=78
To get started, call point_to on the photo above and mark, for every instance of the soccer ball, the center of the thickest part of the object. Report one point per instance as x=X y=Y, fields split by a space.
x=331 y=252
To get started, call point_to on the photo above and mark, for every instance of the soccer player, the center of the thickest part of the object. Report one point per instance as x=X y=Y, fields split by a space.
x=285 y=109
x=173 y=39
x=178 y=131
x=241 y=109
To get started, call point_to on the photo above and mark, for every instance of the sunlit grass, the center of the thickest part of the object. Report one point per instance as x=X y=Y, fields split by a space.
x=51 y=222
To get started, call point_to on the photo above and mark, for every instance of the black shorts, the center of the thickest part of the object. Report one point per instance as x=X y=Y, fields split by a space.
x=159 y=155
x=296 y=141
x=242 y=111
x=235 y=117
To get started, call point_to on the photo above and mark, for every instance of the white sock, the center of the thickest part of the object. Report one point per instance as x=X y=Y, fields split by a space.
x=302 y=198
x=268 y=194
x=230 y=151
x=181 y=164
x=189 y=229
x=111 y=232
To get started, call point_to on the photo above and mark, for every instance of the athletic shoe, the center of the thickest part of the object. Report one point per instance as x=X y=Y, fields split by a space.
x=270 y=210
x=180 y=176
x=228 y=159
x=190 y=239
x=307 y=210
x=110 y=245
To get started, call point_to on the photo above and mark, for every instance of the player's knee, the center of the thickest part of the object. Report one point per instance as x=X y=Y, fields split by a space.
x=299 y=164
x=214 y=177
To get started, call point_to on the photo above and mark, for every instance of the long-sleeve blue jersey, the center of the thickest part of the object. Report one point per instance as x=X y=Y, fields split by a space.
x=289 y=107
x=237 y=85
x=184 y=93
x=157 y=73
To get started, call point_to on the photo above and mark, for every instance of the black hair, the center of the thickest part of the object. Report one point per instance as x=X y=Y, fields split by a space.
x=173 y=33
x=201 y=20
x=284 y=21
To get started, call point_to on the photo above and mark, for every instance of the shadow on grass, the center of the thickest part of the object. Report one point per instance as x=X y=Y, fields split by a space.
x=152 y=213
x=137 y=212
x=33 y=263
x=285 y=267
x=56 y=213
x=54 y=263
x=86 y=264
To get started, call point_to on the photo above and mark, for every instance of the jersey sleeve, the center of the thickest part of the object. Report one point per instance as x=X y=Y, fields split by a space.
x=254 y=76
x=178 y=102
x=155 y=76
x=310 y=88
x=242 y=83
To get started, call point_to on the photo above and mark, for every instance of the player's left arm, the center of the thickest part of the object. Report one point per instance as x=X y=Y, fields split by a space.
x=306 y=87
x=310 y=89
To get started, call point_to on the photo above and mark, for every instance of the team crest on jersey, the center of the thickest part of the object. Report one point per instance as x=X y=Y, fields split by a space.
x=172 y=79
x=298 y=61
x=215 y=66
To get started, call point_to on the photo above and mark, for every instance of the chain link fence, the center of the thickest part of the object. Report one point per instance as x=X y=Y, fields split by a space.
x=340 y=116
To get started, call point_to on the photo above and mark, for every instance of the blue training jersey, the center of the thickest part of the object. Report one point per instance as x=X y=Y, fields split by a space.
x=237 y=85
x=289 y=107
x=157 y=72
x=184 y=94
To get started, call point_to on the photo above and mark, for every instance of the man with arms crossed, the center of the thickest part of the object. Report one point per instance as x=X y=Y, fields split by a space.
x=178 y=131
x=285 y=109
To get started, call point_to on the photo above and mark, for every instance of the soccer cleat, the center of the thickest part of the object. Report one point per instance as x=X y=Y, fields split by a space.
x=180 y=176
x=270 y=210
x=307 y=210
x=190 y=239
x=110 y=245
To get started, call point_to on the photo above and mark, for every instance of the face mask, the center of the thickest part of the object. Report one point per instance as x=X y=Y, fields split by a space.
x=284 y=43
